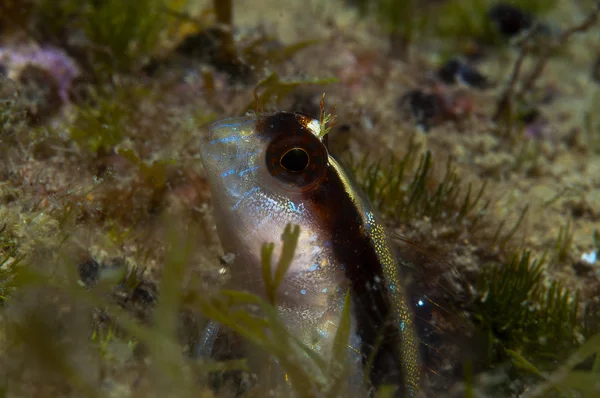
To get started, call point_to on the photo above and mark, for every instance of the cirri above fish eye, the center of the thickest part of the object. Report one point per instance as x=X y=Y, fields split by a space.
x=274 y=169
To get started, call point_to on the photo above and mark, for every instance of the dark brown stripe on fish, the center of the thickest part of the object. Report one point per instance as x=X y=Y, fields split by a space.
x=355 y=248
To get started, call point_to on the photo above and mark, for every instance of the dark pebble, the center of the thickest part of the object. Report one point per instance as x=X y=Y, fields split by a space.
x=425 y=107
x=447 y=73
x=39 y=93
x=89 y=272
x=509 y=19
x=582 y=268
x=202 y=45
x=208 y=46
x=531 y=116
x=456 y=70
x=144 y=293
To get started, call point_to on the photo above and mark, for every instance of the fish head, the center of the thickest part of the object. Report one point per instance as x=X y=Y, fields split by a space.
x=263 y=172
x=277 y=154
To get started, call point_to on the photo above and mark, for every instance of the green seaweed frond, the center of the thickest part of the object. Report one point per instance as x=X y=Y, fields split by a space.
x=591 y=125
x=111 y=342
x=408 y=189
x=25 y=233
x=529 y=152
x=537 y=7
x=52 y=17
x=396 y=16
x=305 y=369
x=274 y=276
x=100 y=127
x=133 y=278
x=461 y=21
x=402 y=21
x=563 y=242
x=338 y=365
x=268 y=334
x=121 y=35
x=469 y=20
x=274 y=89
x=103 y=123
x=466 y=20
x=257 y=53
x=154 y=173
x=125 y=32
x=569 y=379
x=501 y=239
x=224 y=13
x=404 y=189
x=591 y=327
x=520 y=313
x=169 y=368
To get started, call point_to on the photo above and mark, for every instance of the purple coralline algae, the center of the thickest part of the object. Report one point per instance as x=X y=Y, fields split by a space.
x=55 y=62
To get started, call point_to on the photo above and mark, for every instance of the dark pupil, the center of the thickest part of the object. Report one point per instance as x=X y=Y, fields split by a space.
x=295 y=160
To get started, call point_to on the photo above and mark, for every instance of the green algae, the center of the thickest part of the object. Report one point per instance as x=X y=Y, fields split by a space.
x=130 y=30
x=121 y=35
x=103 y=122
x=462 y=23
x=443 y=199
x=521 y=314
x=592 y=126
x=563 y=242
x=513 y=305
x=469 y=20
x=401 y=21
x=272 y=89
x=273 y=276
x=406 y=189
x=320 y=376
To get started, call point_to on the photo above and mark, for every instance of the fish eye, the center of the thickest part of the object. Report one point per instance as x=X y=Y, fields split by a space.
x=295 y=160
x=295 y=157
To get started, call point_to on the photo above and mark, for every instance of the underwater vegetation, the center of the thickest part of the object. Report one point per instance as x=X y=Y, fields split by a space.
x=110 y=267
x=549 y=323
x=118 y=36
x=467 y=25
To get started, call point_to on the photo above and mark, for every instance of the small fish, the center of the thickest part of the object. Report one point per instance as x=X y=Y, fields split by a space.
x=273 y=169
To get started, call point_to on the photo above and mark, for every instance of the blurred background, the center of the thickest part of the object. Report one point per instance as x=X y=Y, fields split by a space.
x=470 y=124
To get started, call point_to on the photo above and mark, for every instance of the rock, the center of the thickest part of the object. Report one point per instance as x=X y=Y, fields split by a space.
x=89 y=272
x=457 y=71
x=509 y=19
x=426 y=108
